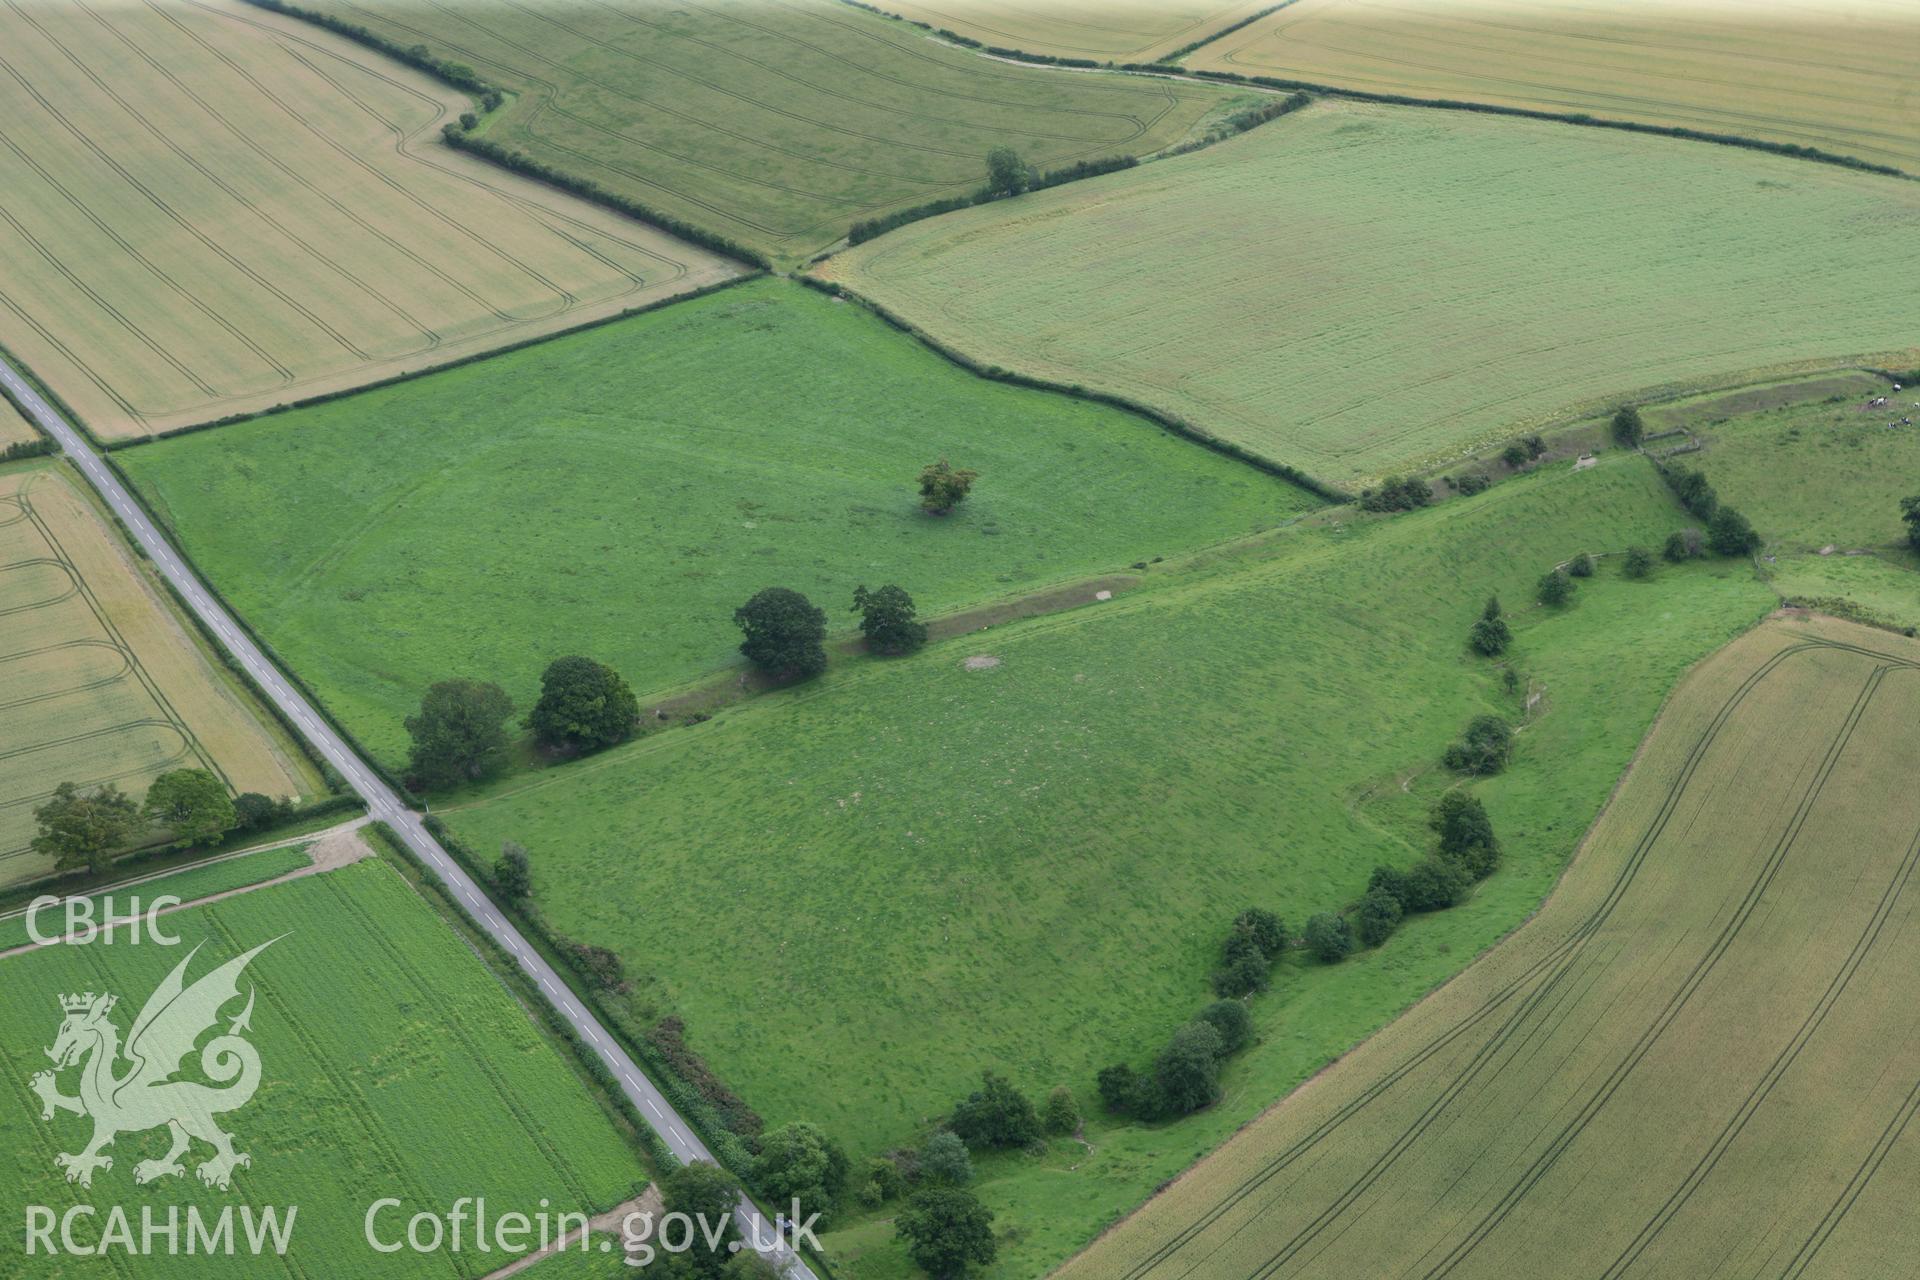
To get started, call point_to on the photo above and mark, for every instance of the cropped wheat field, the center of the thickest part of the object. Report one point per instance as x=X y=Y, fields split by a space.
x=210 y=209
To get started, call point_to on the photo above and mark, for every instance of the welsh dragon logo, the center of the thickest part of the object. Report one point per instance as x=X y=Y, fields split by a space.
x=146 y=1095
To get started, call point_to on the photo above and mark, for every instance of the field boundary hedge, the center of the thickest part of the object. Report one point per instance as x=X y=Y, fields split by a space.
x=471 y=357
x=725 y=1144
x=1160 y=418
x=515 y=979
x=1167 y=68
x=459 y=75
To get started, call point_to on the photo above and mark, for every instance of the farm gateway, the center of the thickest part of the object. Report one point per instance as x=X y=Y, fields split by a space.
x=162 y=1231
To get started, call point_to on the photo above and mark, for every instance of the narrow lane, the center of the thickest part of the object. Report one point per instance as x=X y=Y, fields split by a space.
x=385 y=804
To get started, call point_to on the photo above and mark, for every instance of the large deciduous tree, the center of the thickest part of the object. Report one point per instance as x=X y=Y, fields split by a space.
x=190 y=803
x=887 y=620
x=82 y=830
x=943 y=487
x=584 y=705
x=946 y=1230
x=459 y=733
x=785 y=633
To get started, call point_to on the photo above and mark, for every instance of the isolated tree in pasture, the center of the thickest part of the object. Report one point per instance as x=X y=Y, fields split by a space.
x=584 y=705
x=1628 y=429
x=1555 y=588
x=995 y=1115
x=1683 y=544
x=1186 y=1074
x=1232 y=1020
x=1729 y=534
x=1910 y=512
x=1063 y=1113
x=943 y=487
x=703 y=1191
x=1638 y=563
x=946 y=1230
x=459 y=734
x=1377 y=916
x=944 y=1158
x=1484 y=748
x=82 y=830
x=513 y=872
x=798 y=1161
x=1581 y=566
x=785 y=634
x=887 y=620
x=1330 y=937
x=1007 y=173
x=190 y=803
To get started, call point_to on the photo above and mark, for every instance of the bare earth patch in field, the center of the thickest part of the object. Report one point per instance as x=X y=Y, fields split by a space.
x=1703 y=1038
x=98 y=681
x=211 y=209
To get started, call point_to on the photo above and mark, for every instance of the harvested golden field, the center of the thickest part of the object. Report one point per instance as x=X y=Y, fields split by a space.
x=210 y=209
x=1358 y=290
x=1839 y=75
x=1701 y=1058
x=99 y=682
x=1130 y=31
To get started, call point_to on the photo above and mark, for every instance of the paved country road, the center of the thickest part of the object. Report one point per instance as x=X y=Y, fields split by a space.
x=384 y=803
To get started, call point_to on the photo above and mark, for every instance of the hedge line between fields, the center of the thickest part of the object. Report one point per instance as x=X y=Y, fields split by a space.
x=1167 y=68
x=472 y=357
x=461 y=76
x=587 y=1060
x=1177 y=425
x=1049 y=60
x=726 y=1145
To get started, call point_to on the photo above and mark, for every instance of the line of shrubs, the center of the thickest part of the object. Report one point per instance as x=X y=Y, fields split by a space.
x=417 y=56
x=1728 y=533
x=459 y=135
x=38 y=447
x=867 y=228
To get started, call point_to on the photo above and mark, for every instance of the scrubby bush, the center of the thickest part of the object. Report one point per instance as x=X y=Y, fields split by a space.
x=252 y=811
x=943 y=487
x=1377 y=917
x=1244 y=967
x=1267 y=930
x=1186 y=1074
x=1581 y=566
x=1729 y=534
x=1910 y=512
x=1471 y=483
x=1628 y=429
x=1484 y=748
x=1695 y=494
x=1683 y=544
x=1490 y=637
x=1063 y=1113
x=995 y=1115
x=1431 y=885
x=1330 y=937
x=1232 y=1020
x=1119 y=1088
x=1466 y=833
x=946 y=1230
x=1555 y=588
x=1514 y=455
x=1397 y=493
x=799 y=1162
x=944 y=1158
x=1638 y=563
x=513 y=872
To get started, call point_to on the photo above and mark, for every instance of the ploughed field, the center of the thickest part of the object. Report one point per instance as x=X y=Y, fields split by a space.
x=1357 y=290
x=1031 y=866
x=99 y=680
x=1129 y=31
x=1837 y=76
x=776 y=125
x=620 y=492
x=211 y=209
x=393 y=1064
x=1700 y=1058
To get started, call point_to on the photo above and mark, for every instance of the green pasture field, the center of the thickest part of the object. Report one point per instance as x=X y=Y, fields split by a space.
x=1837 y=76
x=1697 y=1058
x=1030 y=867
x=1358 y=290
x=99 y=680
x=187 y=885
x=394 y=1064
x=620 y=492
x=1866 y=588
x=777 y=126
x=1130 y=31
x=211 y=209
